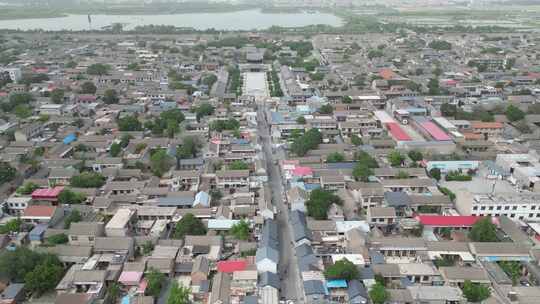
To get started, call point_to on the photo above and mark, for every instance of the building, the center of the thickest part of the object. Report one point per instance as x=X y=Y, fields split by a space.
x=121 y=223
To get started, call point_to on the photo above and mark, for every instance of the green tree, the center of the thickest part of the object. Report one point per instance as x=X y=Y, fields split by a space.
x=98 y=69
x=362 y=172
x=7 y=173
x=395 y=158
x=88 y=87
x=301 y=120
x=74 y=217
x=433 y=86
x=160 y=162
x=320 y=201
x=238 y=165
x=335 y=157
x=512 y=269
x=124 y=141
x=205 y=109
x=56 y=239
x=113 y=292
x=87 y=180
x=240 y=230
x=13 y=225
x=342 y=270
x=110 y=96
x=435 y=173
x=115 y=149
x=440 y=45
x=45 y=276
x=70 y=65
x=484 y=231
x=147 y=247
x=129 y=123
x=364 y=158
x=356 y=140
x=189 y=225
x=379 y=294
x=179 y=294
x=310 y=140
x=326 y=109
x=402 y=175
x=513 y=113
x=22 y=111
x=69 y=197
x=155 y=280
x=475 y=292
x=27 y=188
x=57 y=96
x=415 y=155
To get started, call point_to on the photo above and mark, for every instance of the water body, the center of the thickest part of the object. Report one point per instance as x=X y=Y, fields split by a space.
x=240 y=20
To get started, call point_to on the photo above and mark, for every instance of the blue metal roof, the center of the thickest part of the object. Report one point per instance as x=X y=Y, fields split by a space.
x=336 y=284
x=70 y=138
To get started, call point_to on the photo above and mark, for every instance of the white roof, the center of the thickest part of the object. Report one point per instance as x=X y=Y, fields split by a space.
x=221 y=224
x=356 y=259
x=120 y=219
x=344 y=226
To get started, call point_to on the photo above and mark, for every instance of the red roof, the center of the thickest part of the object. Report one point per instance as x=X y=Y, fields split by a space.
x=39 y=211
x=302 y=171
x=397 y=132
x=435 y=131
x=231 y=266
x=448 y=221
x=387 y=74
x=50 y=193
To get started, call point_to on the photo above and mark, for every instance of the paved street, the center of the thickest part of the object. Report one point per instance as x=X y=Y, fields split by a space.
x=291 y=283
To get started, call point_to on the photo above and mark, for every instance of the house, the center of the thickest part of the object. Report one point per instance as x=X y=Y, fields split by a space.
x=301 y=234
x=269 y=287
x=267 y=259
x=356 y=293
x=85 y=233
x=13 y=294
x=200 y=270
x=457 y=275
x=436 y=294
x=60 y=176
x=47 y=195
x=381 y=216
x=16 y=205
x=202 y=200
x=314 y=291
x=232 y=179
x=124 y=246
x=37 y=214
x=221 y=289
x=121 y=224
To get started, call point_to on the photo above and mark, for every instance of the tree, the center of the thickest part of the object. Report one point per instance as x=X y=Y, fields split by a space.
x=27 y=188
x=240 y=230
x=178 y=294
x=402 y=175
x=115 y=149
x=189 y=225
x=69 y=197
x=155 y=280
x=335 y=157
x=56 y=239
x=484 y=231
x=160 y=162
x=415 y=155
x=356 y=140
x=205 y=109
x=362 y=172
x=147 y=247
x=98 y=69
x=364 y=158
x=395 y=158
x=129 y=123
x=7 y=173
x=513 y=113
x=87 y=180
x=310 y=140
x=110 y=96
x=433 y=86
x=124 y=141
x=342 y=270
x=475 y=292
x=13 y=225
x=326 y=109
x=435 y=173
x=45 y=276
x=320 y=201
x=88 y=87
x=301 y=120
x=238 y=165
x=57 y=96
x=378 y=294
x=221 y=125
x=440 y=45
x=22 y=111
x=113 y=292
x=189 y=148
x=73 y=217
x=512 y=269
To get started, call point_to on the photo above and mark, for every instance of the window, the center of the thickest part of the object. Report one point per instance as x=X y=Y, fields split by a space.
x=74 y=238
x=475 y=208
x=531 y=214
x=499 y=207
x=506 y=207
x=514 y=207
x=490 y=208
x=512 y=215
x=91 y=238
x=533 y=207
x=483 y=208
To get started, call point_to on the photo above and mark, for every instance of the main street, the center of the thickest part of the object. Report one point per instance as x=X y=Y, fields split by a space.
x=291 y=283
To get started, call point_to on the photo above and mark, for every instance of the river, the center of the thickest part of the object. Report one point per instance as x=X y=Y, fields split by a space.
x=239 y=20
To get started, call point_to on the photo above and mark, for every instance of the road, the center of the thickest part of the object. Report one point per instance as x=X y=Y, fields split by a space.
x=291 y=283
